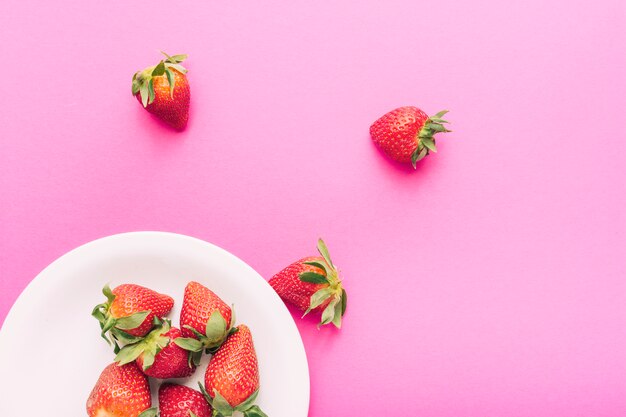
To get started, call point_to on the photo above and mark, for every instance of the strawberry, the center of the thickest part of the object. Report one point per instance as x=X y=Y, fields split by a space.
x=180 y=401
x=312 y=284
x=232 y=377
x=407 y=133
x=129 y=312
x=163 y=90
x=158 y=355
x=205 y=320
x=121 y=391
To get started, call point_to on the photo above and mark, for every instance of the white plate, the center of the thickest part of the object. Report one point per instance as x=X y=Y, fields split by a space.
x=50 y=350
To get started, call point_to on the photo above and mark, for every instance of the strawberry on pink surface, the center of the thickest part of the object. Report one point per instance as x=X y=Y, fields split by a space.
x=407 y=134
x=180 y=401
x=158 y=355
x=129 y=312
x=163 y=90
x=121 y=391
x=313 y=284
x=231 y=381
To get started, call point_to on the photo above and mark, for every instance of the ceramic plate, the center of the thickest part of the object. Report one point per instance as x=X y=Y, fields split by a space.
x=50 y=351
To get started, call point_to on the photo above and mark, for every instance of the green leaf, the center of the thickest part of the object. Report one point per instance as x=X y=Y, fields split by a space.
x=159 y=69
x=171 y=80
x=145 y=94
x=175 y=58
x=133 y=321
x=151 y=90
x=232 y=317
x=329 y=312
x=248 y=402
x=124 y=337
x=437 y=127
x=150 y=412
x=419 y=154
x=429 y=143
x=344 y=301
x=153 y=344
x=179 y=58
x=216 y=327
x=129 y=353
x=192 y=414
x=438 y=120
x=195 y=358
x=254 y=411
x=337 y=314
x=317 y=265
x=188 y=343
x=414 y=157
x=197 y=333
x=323 y=250
x=205 y=394
x=99 y=315
x=135 y=87
x=108 y=293
x=178 y=68
x=108 y=324
x=440 y=114
x=221 y=405
x=313 y=278
x=104 y=336
x=148 y=357
x=318 y=298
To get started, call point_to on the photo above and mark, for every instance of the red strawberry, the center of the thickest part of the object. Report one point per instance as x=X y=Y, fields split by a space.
x=407 y=133
x=232 y=377
x=129 y=311
x=204 y=317
x=121 y=391
x=312 y=284
x=180 y=401
x=158 y=355
x=164 y=91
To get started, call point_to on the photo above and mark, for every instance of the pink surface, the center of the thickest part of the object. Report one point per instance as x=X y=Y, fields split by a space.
x=490 y=282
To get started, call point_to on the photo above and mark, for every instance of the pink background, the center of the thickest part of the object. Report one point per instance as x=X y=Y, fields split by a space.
x=490 y=282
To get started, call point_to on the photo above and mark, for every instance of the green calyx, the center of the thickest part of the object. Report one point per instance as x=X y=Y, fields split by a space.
x=149 y=346
x=333 y=290
x=115 y=327
x=215 y=333
x=222 y=408
x=150 y=412
x=143 y=81
x=426 y=136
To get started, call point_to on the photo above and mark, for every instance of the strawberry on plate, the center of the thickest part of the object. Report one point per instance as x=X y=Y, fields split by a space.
x=407 y=134
x=129 y=311
x=313 y=284
x=205 y=320
x=163 y=90
x=180 y=401
x=121 y=391
x=231 y=381
x=157 y=354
